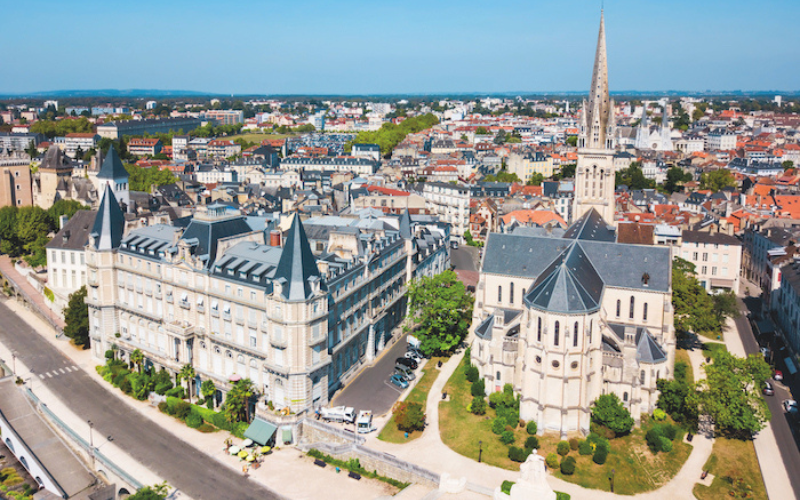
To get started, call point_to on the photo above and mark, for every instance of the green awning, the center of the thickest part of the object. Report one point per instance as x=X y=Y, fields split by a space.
x=287 y=435
x=260 y=431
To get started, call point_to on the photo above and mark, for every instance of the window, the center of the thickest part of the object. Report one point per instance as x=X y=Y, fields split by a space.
x=499 y=294
x=590 y=330
x=704 y=270
x=619 y=307
x=498 y=376
x=694 y=256
x=644 y=312
x=705 y=256
x=575 y=336
x=630 y=315
x=713 y=270
x=641 y=377
x=555 y=334
x=539 y=331
x=624 y=397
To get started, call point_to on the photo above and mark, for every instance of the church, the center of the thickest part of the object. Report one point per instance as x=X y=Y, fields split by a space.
x=565 y=319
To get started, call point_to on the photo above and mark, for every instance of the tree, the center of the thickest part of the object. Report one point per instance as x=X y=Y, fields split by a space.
x=572 y=140
x=33 y=225
x=500 y=138
x=634 y=178
x=155 y=492
x=76 y=318
x=9 y=245
x=237 y=402
x=143 y=179
x=481 y=131
x=566 y=172
x=502 y=176
x=31 y=150
x=410 y=417
x=208 y=390
x=787 y=164
x=65 y=207
x=137 y=358
x=608 y=411
x=693 y=307
x=731 y=394
x=187 y=374
x=725 y=305
x=676 y=177
x=441 y=310
x=535 y=180
x=716 y=180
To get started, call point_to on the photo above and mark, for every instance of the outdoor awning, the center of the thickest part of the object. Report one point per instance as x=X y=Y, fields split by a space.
x=721 y=283
x=287 y=435
x=260 y=431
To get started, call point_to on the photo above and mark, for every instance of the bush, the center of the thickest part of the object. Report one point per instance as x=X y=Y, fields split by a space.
x=669 y=431
x=498 y=425
x=410 y=417
x=472 y=374
x=600 y=456
x=117 y=379
x=585 y=447
x=562 y=448
x=221 y=422
x=598 y=441
x=609 y=411
x=568 y=466
x=666 y=444
x=162 y=389
x=659 y=414
x=506 y=487
x=210 y=403
x=507 y=437
x=176 y=392
x=194 y=420
x=205 y=428
x=532 y=443
x=478 y=405
x=163 y=407
x=125 y=386
x=653 y=439
x=517 y=454
x=478 y=388
x=552 y=460
x=182 y=410
x=109 y=354
x=496 y=399
x=573 y=444
x=531 y=427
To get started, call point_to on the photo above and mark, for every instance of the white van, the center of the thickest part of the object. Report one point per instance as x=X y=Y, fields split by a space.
x=364 y=422
x=339 y=414
x=413 y=341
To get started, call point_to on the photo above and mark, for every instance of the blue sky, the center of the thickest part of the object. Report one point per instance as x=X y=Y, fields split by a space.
x=397 y=46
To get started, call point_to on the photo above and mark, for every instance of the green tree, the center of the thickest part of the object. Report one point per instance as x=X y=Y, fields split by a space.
x=31 y=150
x=155 y=492
x=76 y=318
x=731 y=394
x=716 y=180
x=535 y=180
x=187 y=374
x=137 y=358
x=440 y=308
x=65 y=207
x=236 y=407
x=725 y=306
x=143 y=179
x=608 y=411
x=33 y=225
x=481 y=131
x=572 y=140
x=9 y=245
x=410 y=417
x=634 y=178
x=208 y=390
x=500 y=138
x=787 y=164
x=565 y=172
x=502 y=176
x=693 y=307
x=676 y=177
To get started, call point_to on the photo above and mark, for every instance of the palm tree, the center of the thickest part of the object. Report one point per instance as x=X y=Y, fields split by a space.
x=207 y=390
x=137 y=358
x=236 y=407
x=187 y=373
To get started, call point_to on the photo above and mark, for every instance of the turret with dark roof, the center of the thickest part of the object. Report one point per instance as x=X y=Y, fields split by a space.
x=109 y=225
x=297 y=268
x=112 y=167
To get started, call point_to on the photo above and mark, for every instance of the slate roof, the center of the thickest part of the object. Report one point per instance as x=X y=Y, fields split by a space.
x=569 y=285
x=708 y=237
x=75 y=233
x=591 y=226
x=54 y=158
x=109 y=225
x=208 y=232
x=297 y=266
x=647 y=349
x=112 y=167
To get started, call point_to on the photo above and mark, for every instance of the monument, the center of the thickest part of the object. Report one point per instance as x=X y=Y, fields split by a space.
x=532 y=482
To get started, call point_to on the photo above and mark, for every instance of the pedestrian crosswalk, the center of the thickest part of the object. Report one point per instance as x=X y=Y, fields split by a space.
x=58 y=371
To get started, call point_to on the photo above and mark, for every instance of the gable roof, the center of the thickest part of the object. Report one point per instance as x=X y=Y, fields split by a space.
x=75 y=233
x=112 y=167
x=591 y=226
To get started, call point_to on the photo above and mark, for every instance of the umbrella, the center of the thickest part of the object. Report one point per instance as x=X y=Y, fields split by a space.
x=233 y=450
x=242 y=454
x=235 y=377
x=250 y=458
x=265 y=449
x=247 y=443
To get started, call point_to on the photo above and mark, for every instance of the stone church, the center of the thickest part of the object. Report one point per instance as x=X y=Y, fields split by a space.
x=567 y=319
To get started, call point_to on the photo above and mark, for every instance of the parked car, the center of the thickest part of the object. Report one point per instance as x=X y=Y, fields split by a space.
x=765 y=352
x=790 y=406
x=777 y=376
x=416 y=352
x=412 y=355
x=406 y=372
x=768 y=390
x=399 y=381
x=407 y=362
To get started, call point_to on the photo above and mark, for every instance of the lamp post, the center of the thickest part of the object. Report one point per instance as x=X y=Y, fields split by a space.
x=480 y=450
x=612 y=480
x=14 y=362
x=91 y=441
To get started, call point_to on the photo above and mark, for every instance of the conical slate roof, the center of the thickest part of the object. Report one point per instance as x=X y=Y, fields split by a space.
x=405 y=225
x=109 y=225
x=590 y=226
x=570 y=284
x=112 y=167
x=297 y=266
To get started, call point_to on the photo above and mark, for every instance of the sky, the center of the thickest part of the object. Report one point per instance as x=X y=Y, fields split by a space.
x=397 y=46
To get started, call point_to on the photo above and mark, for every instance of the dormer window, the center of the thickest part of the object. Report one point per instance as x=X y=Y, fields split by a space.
x=645 y=279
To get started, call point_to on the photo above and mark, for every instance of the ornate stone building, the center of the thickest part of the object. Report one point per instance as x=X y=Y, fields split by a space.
x=566 y=319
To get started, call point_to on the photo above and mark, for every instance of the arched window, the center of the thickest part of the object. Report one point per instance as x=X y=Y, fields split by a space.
x=619 y=307
x=511 y=293
x=498 y=376
x=539 y=331
x=590 y=330
x=624 y=397
x=644 y=312
x=575 y=336
x=630 y=315
x=555 y=334
x=499 y=294
x=641 y=377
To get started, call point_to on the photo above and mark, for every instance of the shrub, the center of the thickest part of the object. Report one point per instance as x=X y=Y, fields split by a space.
x=496 y=399
x=659 y=414
x=506 y=487
x=125 y=386
x=532 y=443
x=163 y=407
x=117 y=379
x=472 y=374
x=478 y=405
x=478 y=388
x=205 y=428
x=221 y=422
x=653 y=439
x=600 y=456
x=507 y=437
x=531 y=427
x=568 y=466
x=585 y=447
x=517 y=454
x=182 y=410
x=522 y=423
x=669 y=431
x=176 y=392
x=109 y=354
x=410 y=417
x=573 y=444
x=210 y=403
x=609 y=411
x=562 y=448
x=666 y=444
x=162 y=389
x=194 y=420
x=498 y=425
x=552 y=460
x=598 y=441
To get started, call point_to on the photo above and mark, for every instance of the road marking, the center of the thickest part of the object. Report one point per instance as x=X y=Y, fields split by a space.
x=62 y=371
x=48 y=375
x=41 y=376
x=74 y=368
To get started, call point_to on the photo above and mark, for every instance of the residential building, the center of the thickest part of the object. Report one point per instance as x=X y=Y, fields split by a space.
x=66 y=259
x=788 y=307
x=19 y=142
x=372 y=151
x=16 y=186
x=223 y=149
x=358 y=166
x=115 y=130
x=451 y=203
x=224 y=116
x=144 y=147
x=525 y=165
x=717 y=258
x=79 y=142
x=720 y=139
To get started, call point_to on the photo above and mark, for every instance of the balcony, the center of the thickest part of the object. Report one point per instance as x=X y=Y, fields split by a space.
x=182 y=329
x=184 y=304
x=148 y=291
x=92 y=280
x=281 y=342
x=201 y=308
x=170 y=298
x=215 y=312
x=315 y=341
x=252 y=323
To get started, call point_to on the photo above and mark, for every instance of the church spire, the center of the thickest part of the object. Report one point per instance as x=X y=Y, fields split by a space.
x=598 y=109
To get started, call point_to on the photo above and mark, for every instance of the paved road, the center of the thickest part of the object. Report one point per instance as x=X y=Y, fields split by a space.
x=464 y=258
x=371 y=389
x=196 y=474
x=780 y=425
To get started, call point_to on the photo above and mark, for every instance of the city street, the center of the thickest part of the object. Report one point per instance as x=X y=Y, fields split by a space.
x=465 y=258
x=781 y=427
x=181 y=465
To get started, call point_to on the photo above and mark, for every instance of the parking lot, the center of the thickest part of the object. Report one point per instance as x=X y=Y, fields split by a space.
x=371 y=389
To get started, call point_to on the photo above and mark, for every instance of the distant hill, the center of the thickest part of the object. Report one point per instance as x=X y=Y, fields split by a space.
x=110 y=93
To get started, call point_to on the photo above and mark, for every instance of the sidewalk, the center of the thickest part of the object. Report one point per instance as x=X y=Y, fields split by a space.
x=28 y=291
x=279 y=471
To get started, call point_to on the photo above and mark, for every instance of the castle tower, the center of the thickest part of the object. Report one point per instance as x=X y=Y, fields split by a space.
x=113 y=174
x=594 y=175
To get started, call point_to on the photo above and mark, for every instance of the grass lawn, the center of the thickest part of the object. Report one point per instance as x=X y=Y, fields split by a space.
x=709 y=348
x=636 y=468
x=419 y=394
x=735 y=468
x=257 y=138
x=683 y=355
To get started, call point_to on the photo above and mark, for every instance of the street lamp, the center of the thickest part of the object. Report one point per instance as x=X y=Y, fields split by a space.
x=480 y=450
x=612 y=480
x=91 y=441
x=14 y=362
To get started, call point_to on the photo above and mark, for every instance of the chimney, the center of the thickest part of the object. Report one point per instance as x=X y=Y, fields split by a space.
x=275 y=238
